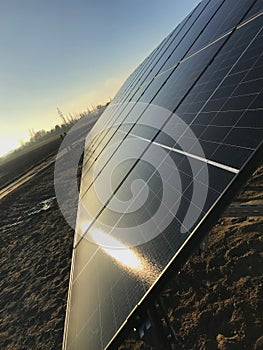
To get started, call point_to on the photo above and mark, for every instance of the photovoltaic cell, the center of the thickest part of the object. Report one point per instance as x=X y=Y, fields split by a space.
x=173 y=46
x=160 y=157
x=254 y=11
x=225 y=19
x=193 y=33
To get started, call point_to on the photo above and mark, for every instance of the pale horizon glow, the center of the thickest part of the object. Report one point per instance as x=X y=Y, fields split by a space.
x=9 y=143
x=72 y=55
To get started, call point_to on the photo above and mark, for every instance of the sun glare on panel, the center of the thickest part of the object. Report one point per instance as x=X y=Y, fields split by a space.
x=126 y=257
x=123 y=255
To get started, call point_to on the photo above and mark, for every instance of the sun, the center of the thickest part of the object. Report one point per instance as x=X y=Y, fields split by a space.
x=8 y=143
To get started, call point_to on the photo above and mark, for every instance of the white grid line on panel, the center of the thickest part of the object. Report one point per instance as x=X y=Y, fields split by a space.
x=190 y=155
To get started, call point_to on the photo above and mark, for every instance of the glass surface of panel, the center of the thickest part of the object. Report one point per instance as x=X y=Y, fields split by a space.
x=226 y=18
x=183 y=77
x=256 y=9
x=191 y=35
x=151 y=176
x=222 y=98
x=176 y=47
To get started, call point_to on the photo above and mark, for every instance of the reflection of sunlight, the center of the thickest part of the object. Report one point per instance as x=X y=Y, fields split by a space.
x=123 y=255
x=127 y=257
x=83 y=225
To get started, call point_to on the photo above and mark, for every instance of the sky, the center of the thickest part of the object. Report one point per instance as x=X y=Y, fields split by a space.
x=72 y=54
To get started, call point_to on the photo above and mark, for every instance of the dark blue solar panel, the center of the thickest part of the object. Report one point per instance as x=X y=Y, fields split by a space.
x=225 y=19
x=194 y=32
x=255 y=10
x=159 y=158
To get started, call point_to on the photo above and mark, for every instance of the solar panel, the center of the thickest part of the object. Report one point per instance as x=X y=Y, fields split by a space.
x=163 y=156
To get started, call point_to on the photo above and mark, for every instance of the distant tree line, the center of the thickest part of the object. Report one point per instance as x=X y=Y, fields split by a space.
x=67 y=122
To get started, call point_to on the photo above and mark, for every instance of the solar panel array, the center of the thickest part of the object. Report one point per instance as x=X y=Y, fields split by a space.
x=160 y=157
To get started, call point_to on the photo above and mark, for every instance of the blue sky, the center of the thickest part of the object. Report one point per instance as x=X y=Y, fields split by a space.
x=72 y=54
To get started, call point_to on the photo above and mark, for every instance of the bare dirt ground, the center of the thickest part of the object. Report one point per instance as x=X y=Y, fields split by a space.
x=36 y=247
x=14 y=166
x=215 y=302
